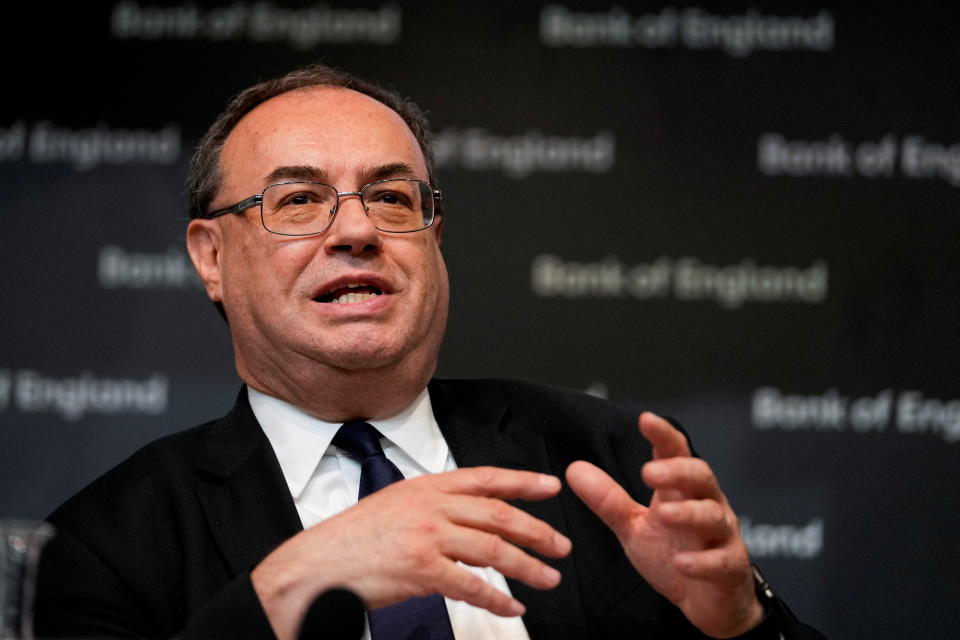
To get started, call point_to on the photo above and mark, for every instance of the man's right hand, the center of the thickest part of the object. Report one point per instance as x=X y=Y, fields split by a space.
x=405 y=540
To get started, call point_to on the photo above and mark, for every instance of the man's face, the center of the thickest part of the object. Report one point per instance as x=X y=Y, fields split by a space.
x=286 y=297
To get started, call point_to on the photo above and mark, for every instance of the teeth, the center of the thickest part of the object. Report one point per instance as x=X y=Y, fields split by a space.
x=350 y=298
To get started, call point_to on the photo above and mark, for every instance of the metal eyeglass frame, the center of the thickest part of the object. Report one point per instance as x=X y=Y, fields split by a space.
x=257 y=200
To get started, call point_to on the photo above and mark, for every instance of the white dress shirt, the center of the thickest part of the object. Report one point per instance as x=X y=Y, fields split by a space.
x=323 y=481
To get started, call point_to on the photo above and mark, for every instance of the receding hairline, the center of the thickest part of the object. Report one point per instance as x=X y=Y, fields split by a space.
x=304 y=92
x=204 y=178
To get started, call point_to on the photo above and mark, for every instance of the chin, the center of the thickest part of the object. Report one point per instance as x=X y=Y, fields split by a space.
x=360 y=355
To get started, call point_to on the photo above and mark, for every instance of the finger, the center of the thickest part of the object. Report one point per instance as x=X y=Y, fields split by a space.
x=685 y=477
x=667 y=441
x=706 y=518
x=453 y=581
x=480 y=549
x=603 y=496
x=495 y=516
x=723 y=564
x=498 y=483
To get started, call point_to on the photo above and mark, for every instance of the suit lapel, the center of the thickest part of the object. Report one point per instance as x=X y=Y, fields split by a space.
x=481 y=430
x=242 y=491
x=249 y=510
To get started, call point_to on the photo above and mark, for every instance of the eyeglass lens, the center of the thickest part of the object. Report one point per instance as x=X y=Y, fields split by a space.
x=303 y=208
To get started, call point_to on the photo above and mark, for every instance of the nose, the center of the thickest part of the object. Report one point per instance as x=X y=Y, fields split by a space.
x=351 y=230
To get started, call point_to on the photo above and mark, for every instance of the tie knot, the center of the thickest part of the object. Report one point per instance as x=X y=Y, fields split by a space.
x=359 y=439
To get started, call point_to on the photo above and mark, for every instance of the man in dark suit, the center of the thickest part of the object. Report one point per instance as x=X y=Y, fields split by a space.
x=316 y=230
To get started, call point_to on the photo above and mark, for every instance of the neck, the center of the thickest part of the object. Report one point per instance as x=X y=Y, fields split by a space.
x=339 y=395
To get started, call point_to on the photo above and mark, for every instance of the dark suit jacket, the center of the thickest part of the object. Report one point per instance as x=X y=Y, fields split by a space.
x=163 y=544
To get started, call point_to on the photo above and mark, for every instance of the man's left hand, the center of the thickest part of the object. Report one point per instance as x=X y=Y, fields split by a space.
x=687 y=543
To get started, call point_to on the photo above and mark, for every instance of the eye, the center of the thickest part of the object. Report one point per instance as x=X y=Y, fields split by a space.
x=390 y=198
x=301 y=198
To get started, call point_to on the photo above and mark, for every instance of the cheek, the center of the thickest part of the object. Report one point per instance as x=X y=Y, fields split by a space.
x=253 y=271
x=274 y=266
x=440 y=286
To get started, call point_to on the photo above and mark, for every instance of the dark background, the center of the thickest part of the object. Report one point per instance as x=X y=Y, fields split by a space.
x=856 y=527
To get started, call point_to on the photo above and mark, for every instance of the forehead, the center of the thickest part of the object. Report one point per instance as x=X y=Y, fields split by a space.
x=334 y=129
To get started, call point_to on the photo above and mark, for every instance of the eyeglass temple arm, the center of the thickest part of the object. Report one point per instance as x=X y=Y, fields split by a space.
x=240 y=207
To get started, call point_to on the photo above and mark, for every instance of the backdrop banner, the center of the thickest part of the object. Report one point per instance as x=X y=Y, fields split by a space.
x=744 y=218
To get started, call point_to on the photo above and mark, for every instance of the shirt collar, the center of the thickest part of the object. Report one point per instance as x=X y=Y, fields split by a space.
x=300 y=440
x=415 y=431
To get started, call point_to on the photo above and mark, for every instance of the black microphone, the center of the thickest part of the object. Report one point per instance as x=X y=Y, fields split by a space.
x=336 y=614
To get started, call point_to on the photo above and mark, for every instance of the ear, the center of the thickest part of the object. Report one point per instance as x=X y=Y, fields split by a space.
x=204 y=241
x=438 y=228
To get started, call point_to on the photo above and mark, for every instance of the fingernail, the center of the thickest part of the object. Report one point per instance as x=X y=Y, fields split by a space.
x=551 y=574
x=517 y=609
x=550 y=482
x=561 y=543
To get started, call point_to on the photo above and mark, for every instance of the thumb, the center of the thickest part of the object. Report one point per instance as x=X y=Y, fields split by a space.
x=603 y=496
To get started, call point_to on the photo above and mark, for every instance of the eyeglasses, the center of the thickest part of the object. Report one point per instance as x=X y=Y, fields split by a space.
x=398 y=205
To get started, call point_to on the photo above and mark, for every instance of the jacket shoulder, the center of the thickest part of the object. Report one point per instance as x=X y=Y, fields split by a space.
x=151 y=475
x=535 y=401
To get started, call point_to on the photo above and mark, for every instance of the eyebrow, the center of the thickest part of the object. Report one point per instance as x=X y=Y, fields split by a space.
x=303 y=172
x=384 y=171
x=310 y=173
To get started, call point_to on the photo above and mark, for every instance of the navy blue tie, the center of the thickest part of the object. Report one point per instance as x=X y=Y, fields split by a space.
x=415 y=618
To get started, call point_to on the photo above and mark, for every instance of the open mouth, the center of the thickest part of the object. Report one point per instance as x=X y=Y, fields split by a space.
x=350 y=293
